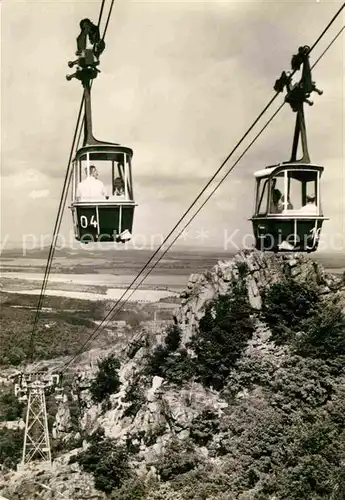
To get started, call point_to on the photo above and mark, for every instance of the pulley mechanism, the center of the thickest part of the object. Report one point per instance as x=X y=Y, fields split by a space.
x=297 y=95
x=89 y=47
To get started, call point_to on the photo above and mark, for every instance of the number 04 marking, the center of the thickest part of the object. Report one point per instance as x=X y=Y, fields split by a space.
x=85 y=223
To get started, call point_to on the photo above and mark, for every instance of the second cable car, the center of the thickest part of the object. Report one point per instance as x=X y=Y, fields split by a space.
x=102 y=201
x=288 y=213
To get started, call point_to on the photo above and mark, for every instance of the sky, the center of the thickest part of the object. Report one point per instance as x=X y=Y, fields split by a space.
x=180 y=83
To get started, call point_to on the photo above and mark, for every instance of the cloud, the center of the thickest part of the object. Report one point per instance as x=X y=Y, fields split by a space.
x=43 y=193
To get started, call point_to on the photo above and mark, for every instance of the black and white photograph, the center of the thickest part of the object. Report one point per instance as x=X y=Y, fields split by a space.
x=172 y=250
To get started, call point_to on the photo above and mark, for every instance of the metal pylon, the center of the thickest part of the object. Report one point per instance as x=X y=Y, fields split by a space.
x=36 y=437
x=30 y=388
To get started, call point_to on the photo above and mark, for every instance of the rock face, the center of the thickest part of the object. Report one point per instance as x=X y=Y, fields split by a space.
x=62 y=424
x=155 y=410
x=62 y=481
x=163 y=412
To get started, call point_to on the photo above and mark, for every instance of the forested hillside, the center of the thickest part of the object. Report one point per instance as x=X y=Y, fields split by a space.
x=243 y=398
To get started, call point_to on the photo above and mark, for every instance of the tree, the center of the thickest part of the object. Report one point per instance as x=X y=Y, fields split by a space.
x=223 y=335
x=285 y=305
x=11 y=446
x=10 y=407
x=106 y=461
x=107 y=380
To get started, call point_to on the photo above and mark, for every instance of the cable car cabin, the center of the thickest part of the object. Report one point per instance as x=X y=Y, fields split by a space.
x=287 y=214
x=102 y=193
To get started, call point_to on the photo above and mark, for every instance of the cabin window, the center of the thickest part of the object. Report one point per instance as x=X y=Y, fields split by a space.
x=294 y=192
x=119 y=177
x=262 y=197
x=302 y=187
x=113 y=170
x=310 y=190
x=277 y=193
x=289 y=191
x=110 y=172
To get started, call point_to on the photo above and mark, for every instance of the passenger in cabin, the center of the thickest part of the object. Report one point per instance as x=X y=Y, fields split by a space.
x=310 y=208
x=119 y=187
x=276 y=202
x=91 y=189
x=289 y=204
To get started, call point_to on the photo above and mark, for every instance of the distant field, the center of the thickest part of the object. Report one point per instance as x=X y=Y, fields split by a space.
x=128 y=261
x=116 y=263
x=89 y=283
x=97 y=271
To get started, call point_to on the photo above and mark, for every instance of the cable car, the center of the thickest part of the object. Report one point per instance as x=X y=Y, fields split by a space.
x=288 y=214
x=102 y=208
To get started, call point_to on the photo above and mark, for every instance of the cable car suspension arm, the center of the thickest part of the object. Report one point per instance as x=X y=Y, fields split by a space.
x=297 y=95
x=90 y=46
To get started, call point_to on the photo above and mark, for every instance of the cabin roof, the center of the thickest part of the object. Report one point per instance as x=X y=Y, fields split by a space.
x=103 y=151
x=268 y=171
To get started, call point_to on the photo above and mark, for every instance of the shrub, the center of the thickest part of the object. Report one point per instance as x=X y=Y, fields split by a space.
x=324 y=333
x=107 y=380
x=150 y=437
x=204 y=427
x=169 y=361
x=205 y=482
x=243 y=269
x=223 y=335
x=297 y=315
x=107 y=462
x=10 y=407
x=60 y=446
x=291 y=455
x=11 y=447
x=164 y=491
x=294 y=383
x=178 y=457
x=136 y=396
x=132 y=489
x=285 y=305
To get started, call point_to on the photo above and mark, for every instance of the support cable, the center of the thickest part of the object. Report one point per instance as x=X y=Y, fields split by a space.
x=55 y=234
x=108 y=18
x=100 y=14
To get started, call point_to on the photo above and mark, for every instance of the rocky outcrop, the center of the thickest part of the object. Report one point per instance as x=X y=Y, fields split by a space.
x=259 y=270
x=63 y=423
x=164 y=410
x=61 y=481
